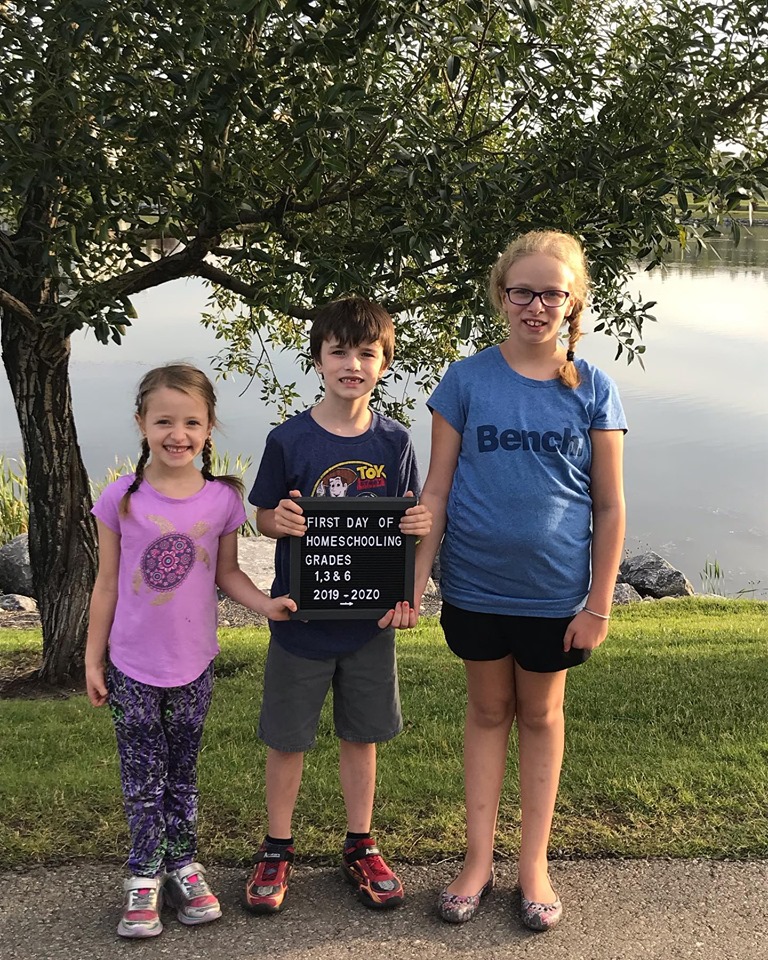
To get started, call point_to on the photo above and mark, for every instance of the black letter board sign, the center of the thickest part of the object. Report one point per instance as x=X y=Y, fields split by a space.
x=353 y=563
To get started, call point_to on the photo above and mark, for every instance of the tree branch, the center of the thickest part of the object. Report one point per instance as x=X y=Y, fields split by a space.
x=158 y=272
x=757 y=93
x=9 y=302
x=245 y=290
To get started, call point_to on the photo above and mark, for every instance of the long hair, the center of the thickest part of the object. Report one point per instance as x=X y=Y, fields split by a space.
x=186 y=379
x=569 y=251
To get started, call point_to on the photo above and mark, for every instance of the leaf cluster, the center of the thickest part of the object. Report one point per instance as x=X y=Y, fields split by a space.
x=294 y=151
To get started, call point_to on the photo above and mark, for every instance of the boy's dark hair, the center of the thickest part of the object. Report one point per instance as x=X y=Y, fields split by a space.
x=350 y=322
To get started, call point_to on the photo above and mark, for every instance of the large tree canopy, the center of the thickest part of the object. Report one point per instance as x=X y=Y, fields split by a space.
x=290 y=151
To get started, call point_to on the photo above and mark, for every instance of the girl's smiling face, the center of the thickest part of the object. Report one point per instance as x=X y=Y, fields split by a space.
x=534 y=323
x=176 y=426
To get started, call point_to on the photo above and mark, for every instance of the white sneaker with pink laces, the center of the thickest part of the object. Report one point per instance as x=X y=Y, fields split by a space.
x=141 y=909
x=187 y=889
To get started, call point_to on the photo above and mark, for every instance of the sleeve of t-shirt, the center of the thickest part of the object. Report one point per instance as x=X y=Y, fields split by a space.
x=409 y=471
x=107 y=507
x=270 y=486
x=609 y=413
x=447 y=399
x=236 y=515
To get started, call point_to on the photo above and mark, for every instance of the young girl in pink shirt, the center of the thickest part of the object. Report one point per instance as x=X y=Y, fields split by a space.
x=167 y=539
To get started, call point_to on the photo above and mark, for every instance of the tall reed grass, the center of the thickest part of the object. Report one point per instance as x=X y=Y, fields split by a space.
x=14 y=507
x=14 y=513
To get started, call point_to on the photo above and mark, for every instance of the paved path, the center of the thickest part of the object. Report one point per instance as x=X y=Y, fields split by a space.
x=615 y=910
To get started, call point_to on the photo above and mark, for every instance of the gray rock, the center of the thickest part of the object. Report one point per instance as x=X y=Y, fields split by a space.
x=431 y=589
x=651 y=575
x=15 y=601
x=625 y=593
x=15 y=570
x=256 y=556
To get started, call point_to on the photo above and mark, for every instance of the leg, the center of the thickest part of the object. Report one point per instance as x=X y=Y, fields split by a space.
x=184 y=712
x=294 y=691
x=357 y=772
x=541 y=734
x=283 y=781
x=366 y=709
x=490 y=714
x=143 y=750
x=267 y=886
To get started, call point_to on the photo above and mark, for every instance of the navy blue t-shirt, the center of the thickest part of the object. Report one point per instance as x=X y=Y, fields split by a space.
x=519 y=520
x=301 y=455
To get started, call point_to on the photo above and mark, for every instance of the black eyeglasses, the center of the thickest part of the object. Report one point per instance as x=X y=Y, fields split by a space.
x=522 y=296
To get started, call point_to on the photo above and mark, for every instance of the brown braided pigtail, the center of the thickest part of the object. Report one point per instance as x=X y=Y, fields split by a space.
x=207 y=459
x=568 y=373
x=230 y=479
x=136 y=483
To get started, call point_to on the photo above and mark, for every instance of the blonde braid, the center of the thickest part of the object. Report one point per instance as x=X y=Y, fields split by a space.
x=568 y=373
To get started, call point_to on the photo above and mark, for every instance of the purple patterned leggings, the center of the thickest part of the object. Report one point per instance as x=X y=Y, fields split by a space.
x=159 y=730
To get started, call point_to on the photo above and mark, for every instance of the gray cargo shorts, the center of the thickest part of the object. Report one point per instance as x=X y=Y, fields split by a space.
x=366 y=697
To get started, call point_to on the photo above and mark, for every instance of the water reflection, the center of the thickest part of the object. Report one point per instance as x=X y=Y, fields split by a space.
x=697 y=459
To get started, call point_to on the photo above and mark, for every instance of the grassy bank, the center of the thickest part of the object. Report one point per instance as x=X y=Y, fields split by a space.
x=667 y=752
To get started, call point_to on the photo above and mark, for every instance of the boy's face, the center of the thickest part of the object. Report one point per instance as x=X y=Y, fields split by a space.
x=351 y=372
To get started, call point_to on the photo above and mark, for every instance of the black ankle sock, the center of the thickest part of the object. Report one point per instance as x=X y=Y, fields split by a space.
x=278 y=843
x=351 y=836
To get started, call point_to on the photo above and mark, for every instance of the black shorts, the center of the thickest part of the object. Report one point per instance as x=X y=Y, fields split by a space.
x=536 y=643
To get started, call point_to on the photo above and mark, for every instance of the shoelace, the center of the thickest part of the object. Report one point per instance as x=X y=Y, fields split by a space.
x=195 y=886
x=142 y=899
x=375 y=863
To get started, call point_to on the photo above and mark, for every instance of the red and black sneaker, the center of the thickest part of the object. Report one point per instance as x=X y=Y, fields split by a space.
x=365 y=868
x=268 y=884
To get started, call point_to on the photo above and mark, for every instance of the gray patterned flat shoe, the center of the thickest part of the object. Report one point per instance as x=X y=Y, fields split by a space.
x=457 y=909
x=540 y=916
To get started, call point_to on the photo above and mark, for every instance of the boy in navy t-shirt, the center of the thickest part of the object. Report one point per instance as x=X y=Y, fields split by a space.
x=338 y=448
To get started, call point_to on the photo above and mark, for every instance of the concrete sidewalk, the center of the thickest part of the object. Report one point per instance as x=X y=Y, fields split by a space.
x=615 y=910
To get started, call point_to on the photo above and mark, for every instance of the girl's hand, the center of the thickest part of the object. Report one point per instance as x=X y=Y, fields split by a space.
x=289 y=517
x=585 y=632
x=403 y=617
x=279 y=608
x=96 y=685
x=417 y=520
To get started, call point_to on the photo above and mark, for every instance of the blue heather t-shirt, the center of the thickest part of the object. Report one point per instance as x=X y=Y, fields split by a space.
x=518 y=534
x=301 y=455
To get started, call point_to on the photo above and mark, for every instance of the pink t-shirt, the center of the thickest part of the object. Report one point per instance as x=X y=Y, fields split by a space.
x=164 y=629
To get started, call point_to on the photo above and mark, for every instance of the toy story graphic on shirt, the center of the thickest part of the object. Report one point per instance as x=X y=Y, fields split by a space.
x=168 y=560
x=352 y=478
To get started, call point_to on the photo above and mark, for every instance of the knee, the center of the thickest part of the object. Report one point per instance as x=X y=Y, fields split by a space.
x=491 y=714
x=539 y=717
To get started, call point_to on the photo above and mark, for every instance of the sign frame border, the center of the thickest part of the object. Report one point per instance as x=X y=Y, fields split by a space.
x=351 y=505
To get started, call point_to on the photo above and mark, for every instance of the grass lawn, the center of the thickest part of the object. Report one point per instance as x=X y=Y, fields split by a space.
x=667 y=752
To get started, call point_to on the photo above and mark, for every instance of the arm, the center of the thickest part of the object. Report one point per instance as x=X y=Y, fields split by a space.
x=102 y=613
x=444 y=455
x=417 y=520
x=285 y=520
x=239 y=586
x=608 y=522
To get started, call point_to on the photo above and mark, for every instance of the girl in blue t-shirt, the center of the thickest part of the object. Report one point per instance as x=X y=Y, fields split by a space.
x=525 y=482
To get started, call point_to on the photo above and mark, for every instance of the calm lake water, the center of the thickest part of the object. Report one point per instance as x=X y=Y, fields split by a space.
x=696 y=453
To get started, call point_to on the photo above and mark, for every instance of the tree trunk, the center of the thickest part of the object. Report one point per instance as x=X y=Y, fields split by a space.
x=61 y=528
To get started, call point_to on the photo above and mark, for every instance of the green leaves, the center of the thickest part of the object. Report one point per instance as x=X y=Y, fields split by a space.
x=386 y=147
